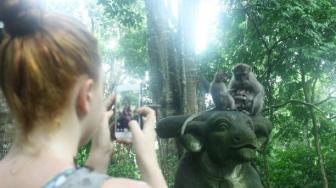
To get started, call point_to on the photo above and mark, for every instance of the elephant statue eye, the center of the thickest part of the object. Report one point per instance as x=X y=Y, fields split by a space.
x=223 y=126
x=250 y=124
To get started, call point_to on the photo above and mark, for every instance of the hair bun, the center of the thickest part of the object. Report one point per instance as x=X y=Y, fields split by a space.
x=20 y=17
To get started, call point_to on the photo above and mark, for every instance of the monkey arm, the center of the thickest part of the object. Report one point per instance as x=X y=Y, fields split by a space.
x=259 y=95
x=258 y=103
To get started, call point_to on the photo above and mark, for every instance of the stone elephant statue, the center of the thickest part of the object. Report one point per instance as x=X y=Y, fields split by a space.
x=219 y=148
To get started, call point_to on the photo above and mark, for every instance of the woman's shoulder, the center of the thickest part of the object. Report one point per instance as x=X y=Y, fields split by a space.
x=123 y=182
x=83 y=177
x=87 y=178
x=104 y=181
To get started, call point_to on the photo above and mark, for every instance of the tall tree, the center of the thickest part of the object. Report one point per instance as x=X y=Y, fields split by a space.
x=187 y=29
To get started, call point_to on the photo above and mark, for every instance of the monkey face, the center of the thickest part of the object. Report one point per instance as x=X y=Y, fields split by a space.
x=220 y=76
x=242 y=76
x=241 y=72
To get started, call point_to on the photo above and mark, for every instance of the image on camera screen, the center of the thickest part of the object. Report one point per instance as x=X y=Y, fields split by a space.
x=128 y=100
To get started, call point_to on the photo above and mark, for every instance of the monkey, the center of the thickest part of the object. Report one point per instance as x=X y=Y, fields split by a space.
x=247 y=91
x=220 y=94
x=243 y=99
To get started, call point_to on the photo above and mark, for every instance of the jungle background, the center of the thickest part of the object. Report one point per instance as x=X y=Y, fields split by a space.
x=176 y=46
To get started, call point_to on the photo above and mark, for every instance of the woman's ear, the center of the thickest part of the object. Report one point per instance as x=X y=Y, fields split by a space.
x=84 y=97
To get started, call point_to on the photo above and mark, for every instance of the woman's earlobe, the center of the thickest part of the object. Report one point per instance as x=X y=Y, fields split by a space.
x=84 y=97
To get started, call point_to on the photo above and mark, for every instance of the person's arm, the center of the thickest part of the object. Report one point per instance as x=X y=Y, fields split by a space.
x=123 y=182
x=144 y=145
x=101 y=146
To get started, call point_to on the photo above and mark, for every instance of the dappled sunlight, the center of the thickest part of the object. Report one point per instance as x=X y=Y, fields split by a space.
x=207 y=23
x=75 y=8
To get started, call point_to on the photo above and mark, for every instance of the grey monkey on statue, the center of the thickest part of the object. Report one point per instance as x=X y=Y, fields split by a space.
x=220 y=94
x=246 y=90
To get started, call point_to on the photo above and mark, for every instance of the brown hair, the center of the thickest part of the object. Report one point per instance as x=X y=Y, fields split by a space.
x=41 y=59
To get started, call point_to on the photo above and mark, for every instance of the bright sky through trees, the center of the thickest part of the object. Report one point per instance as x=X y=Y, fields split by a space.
x=75 y=8
x=207 y=22
x=207 y=19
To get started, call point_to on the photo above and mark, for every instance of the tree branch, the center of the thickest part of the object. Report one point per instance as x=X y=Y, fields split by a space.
x=294 y=101
x=325 y=100
x=330 y=96
x=279 y=41
x=332 y=117
x=291 y=101
x=256 y=27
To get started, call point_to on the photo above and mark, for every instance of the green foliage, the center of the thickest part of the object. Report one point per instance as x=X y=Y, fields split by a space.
x=280 y=39
x=133 y=49
x=83 y=154
x=169 y=164
x=127 y=21
x=288 y=167
x=128 y=13
x=123 y=163
x=296 y=165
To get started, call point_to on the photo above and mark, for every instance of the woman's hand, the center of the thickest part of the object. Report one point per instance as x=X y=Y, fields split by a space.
x=144 y=140
x=101 y=146
x=144 y=145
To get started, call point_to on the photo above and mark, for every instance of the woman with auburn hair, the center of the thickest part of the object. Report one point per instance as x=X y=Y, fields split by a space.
x=50 y=75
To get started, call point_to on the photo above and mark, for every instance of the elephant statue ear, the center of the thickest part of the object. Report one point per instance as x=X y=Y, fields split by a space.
x=170 y=127
x=263 y=128
x=175 y=126
x=183 y=127
x=192 y=133
x=192 y=142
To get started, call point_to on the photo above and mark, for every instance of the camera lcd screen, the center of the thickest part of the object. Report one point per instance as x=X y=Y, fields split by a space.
x=128 y=100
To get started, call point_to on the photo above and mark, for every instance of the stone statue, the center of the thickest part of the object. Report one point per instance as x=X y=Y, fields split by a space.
x=220 y=146
x=221 y=143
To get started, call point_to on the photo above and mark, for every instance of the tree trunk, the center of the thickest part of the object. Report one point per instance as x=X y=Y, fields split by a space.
x=269 y=95
x=157 y=51
x=308 y=95
x=318 y=147
x=305 y=131
x=187 y=25
x=166 y=73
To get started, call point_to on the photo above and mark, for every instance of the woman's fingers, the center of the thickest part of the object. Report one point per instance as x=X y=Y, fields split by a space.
x=109 y=114
x=149 y=117
x=135 y=129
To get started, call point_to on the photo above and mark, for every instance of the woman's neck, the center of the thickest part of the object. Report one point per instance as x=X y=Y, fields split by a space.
x=58 y=146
